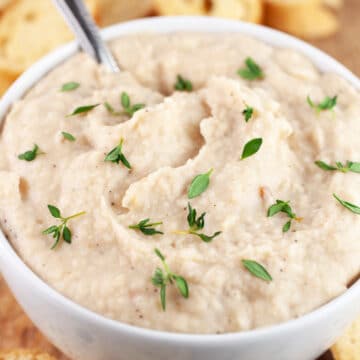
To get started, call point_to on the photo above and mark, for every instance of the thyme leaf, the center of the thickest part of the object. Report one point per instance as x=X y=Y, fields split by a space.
x=69 y=86
x=146 y=227
x=248 y=113
x=353 y=208
x=68 y=136
x=83 y=109
x=284 y=207
x=30 y=155
x=349 y=166
x=257 y=269
x=183 y=84
x=199 y=184
x=197 y=223
x=116 y=155
x=126 y=104
x=251 y=148
x=327 y=104
x=251 y=71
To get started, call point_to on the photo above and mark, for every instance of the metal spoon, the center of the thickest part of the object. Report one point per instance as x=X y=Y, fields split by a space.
x=87 y=33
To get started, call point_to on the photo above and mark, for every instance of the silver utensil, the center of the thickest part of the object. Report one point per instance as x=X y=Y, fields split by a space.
x=87 y=33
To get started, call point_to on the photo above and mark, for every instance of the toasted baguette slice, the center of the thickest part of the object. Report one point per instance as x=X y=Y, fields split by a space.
x=179 y=7
x=25 y=355
x=4 y=4
x=335 y=4
x=7 y=77
x=30 y=29
x=114 y=11
x=348 y=346
x=303 y=18
x=246 y=10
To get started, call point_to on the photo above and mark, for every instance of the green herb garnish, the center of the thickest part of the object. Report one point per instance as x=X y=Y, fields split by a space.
x=163 y=278
x=353 y=208
x=199 y=184
x=251 y=148
x=248 y=113
x=146 y=227
x=126 y=104
x=284 y=207
x=68 y=136
x=324 y=166
x=69 y=86
x=30 y=155
x=286 y=226
x=349 y=166
x=116 y=155
x=196 y=224
x=353 y=166
x=83 y=109
x=183 y=84
x=111 y=110
x=251 y=71
x=327 y=104
x=257 y=269
x=61 y=229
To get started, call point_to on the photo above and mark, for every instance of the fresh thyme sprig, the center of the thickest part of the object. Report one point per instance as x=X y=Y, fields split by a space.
x=284 y=207
x=349 y=166
x=196 y=224
x=62 y=229
x=116 y=155
x=128 y=109
x=163 y=278
x=183 y=84
x=327 y=104
x=251 y=71
x=30 y=155
x=146 y=227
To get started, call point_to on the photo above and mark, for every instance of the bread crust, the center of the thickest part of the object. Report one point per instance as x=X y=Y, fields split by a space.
x=246 y=10
x=335 y=4
x=348 y=346
x=308 y=19
x=25 y=355
x=26 y=22
x=111 y=12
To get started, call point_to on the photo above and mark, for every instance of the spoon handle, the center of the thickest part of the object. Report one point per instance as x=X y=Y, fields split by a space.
x=80 y=22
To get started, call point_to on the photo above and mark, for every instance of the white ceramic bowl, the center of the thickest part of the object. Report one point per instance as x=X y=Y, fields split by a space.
x=84 y=335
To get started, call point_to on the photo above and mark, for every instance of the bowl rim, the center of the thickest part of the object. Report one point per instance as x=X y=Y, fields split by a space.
x=172 y=24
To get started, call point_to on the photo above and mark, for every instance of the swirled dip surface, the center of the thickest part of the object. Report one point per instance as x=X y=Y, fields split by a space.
x=178 y=135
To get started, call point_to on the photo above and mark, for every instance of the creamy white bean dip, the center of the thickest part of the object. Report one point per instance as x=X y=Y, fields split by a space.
x=177 y=135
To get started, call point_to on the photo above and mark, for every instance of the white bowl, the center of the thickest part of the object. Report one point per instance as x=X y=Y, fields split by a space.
x=84 y=335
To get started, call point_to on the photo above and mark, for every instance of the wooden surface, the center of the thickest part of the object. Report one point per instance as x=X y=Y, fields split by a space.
x=345 y=45
x=16 y=330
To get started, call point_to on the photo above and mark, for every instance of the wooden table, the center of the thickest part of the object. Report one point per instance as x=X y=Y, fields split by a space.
x=16 y=330
x=345 y=45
